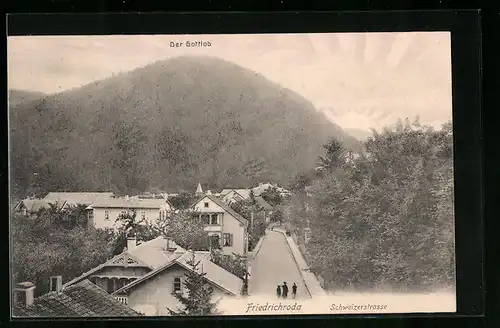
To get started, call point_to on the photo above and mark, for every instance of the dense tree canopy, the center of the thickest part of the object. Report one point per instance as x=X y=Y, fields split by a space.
x=52 y=242
x=384 y=219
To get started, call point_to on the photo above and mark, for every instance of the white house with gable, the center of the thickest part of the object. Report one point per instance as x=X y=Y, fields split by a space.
x=104 y=212
x=226 y=228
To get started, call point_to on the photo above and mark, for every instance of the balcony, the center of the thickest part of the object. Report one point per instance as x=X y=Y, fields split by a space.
x=122 y=299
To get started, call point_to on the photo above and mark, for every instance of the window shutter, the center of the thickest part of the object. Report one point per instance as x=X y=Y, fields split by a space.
x=230 y=239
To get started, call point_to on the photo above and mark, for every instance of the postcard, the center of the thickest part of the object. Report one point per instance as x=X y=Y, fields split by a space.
x=250 y=174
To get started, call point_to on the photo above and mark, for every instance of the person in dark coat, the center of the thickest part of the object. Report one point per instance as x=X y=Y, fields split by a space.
x=294 y=290
x=285 y=290
x=278 y=291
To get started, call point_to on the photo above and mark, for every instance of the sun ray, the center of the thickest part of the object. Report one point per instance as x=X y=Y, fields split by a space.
x=385 y=44
x=399 y=47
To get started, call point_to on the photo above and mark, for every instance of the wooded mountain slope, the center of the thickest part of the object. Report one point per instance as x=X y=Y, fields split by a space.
x=19 y=96
x=167 y=125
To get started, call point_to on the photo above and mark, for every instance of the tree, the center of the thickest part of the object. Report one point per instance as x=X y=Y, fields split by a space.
x=197 y=297
x=334 y=155
x=272 y=196
x=277 y=215
x=48 y=242
x=234 y=263
x=186 y=228
x=182 y=201
x=386 y=219
x=250 y=210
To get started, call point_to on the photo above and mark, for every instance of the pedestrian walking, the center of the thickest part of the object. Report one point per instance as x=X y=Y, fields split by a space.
x=278 y=291
x=284 y=290
x=294 y=290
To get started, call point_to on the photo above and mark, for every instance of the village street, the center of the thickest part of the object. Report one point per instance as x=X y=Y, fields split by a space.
x=273 y=265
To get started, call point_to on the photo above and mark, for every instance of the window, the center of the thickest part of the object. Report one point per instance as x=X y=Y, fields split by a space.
x=206 y=205
x=205 y=218
x=106 y=215
x=214 y=219
x=228 y=239
x=91 y=214
x=177 y=284
x=215 y=241
x=161 y=215
x=143 y=215
x=25 y=212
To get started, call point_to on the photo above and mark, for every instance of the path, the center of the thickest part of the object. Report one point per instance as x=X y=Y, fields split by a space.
x=273 y=265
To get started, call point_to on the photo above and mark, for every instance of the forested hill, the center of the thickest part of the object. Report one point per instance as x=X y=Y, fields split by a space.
x=17 y=97
x=167 y=125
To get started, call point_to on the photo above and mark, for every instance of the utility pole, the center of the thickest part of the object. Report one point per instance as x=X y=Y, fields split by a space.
x=252 y=218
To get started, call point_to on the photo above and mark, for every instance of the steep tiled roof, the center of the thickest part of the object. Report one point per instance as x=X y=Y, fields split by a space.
x=84 y=198
x=245 y=193
x=262 y=202
x=81 y=300
x=214 y=273
x=129 y=203
x=151 y=254
x=225 y=206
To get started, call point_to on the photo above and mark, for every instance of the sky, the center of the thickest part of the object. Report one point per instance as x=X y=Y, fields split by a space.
x=359 y=80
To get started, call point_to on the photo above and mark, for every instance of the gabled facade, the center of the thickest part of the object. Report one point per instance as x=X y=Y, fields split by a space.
x=154 y=293
x=103 y=213
x=133 y=263
x=227 y=229
x=230 y=196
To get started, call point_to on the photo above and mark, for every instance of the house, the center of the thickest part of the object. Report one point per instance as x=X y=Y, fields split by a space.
x=266 y=207
x=230 y=196
x=83 y=299
x=226 y=228
x=133 y=263
x=78 y=198
x=103 y=212
x=155 y=292
x=264 y=186
x=29 y=206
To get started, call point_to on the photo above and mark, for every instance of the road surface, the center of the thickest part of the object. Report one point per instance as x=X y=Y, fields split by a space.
x=273 y=265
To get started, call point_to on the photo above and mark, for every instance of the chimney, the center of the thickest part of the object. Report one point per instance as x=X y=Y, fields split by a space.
x=169 y=243
x=55 y=283
x=24 y=294
x=131 y=242
x=209 y=192
x=126 y=197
